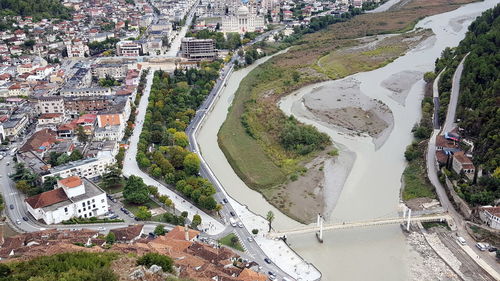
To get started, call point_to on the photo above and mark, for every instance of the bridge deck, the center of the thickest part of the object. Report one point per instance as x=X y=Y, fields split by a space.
x=310 y=229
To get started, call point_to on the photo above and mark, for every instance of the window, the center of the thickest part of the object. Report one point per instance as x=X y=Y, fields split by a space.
x=83 y=204
x=102 y=200
x=85 y=215
x=65 y=209
x=84 y=209
x=79 y=211
x=93 y=206
x=93 y=200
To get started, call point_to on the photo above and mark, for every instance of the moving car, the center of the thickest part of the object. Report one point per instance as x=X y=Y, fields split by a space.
x=224 y=200
x=11 y=206
x=18 y=221
x=461 y=240
x=232 y=213
x=268 y=260
x=25 y=218
x=250 y=239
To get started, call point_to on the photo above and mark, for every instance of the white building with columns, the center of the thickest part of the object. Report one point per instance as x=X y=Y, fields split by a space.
x=243 y=21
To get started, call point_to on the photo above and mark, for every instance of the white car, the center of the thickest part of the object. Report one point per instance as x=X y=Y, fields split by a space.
x=101 y=228
x=250 y=239
x=18 y=221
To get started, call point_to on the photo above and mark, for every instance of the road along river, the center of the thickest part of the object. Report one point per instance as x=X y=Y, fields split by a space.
x=373 y=185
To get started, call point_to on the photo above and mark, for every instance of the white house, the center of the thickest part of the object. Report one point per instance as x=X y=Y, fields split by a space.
x=72 y=197
x=490 y=216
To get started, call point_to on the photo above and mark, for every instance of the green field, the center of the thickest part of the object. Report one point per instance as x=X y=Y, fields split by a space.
x=415 y=181
x=226 y=240
x=135 y=208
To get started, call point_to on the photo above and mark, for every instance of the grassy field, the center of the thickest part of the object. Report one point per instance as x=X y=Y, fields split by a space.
x=415 y=181
x=226 y=240
x=135 y=208
x=249 y=137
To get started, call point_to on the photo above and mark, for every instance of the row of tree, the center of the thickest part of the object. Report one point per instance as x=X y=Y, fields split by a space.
x=162 y=145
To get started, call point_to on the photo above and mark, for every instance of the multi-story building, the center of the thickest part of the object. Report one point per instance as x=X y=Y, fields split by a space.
x=243 y=21
x=72 y=197
x=85 y=92
x=128 y=48
x=198 y=49
x=15 y=125
x=89 y=168
x=114 y=70
x=77 y=49
x=51 y=105
x=77 y=105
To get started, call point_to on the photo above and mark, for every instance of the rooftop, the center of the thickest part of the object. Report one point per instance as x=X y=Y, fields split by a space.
x=48 y=198
x=71 y=182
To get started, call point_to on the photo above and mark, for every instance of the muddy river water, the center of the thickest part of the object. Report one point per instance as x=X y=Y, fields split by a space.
x=373 y=185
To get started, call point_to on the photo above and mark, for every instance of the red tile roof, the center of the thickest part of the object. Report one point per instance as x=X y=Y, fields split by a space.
x=47 y=198
x=70 y=182
x=178 y=233
x=127 y=233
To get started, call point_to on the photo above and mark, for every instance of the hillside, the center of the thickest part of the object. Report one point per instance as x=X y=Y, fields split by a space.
x=37 y=9
x=478 y=103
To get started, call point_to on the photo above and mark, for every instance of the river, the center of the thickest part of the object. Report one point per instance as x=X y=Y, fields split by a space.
x=372 y=188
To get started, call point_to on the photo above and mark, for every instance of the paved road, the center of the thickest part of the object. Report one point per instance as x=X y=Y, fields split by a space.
x=443 y=197
x=435 y=96
x=175 y=45
x=449 y=123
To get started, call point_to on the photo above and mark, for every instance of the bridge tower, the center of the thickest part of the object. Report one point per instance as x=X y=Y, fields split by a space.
x=319 y=223
x=407 y=213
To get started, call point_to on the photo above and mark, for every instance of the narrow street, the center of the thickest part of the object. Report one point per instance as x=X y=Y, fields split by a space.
x=440 y=189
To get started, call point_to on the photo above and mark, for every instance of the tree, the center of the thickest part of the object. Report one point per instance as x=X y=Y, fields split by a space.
x=191 y=164
x=159 y=230
x=62 y=159
x=255 y=231
x=234 y=240
x=136 y=191
x=23 y=186
x=196 y=221
x=110 y=238
x=181 y=139
x=164 y=262
x=270 y=218
x=429 y=76
x=143 y=213
x=49 y=183
x=82 y=136
x=75 y=155
x=112 y=177
x=4 y=270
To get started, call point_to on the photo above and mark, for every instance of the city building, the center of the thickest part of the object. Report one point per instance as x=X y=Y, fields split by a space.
x=72 y=197
x=114 y=70
x=198 y=49
x=462 y=163
x=128 y=48
x=491 y=216
x=85 y=92
x=243 y=21
x=77 y=49
x=88 y=168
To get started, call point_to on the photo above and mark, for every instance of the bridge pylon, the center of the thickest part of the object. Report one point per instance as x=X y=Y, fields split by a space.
x=319 y=223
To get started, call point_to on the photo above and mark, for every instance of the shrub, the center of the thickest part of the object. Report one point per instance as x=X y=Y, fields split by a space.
x=164 y=262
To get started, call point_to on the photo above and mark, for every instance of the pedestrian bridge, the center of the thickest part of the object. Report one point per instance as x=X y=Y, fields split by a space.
x=347 y=225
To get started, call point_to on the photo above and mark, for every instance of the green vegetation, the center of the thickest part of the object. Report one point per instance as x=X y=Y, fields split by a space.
x=170 y=218
x=416 y=184
x=232 y=41
x=160 y=230
x=38 y=9
x=110 y=238
x=165 y=262
x=196 y=221
x=60 y=158
x=141 y=212
x=429 y=225
x=68 y=266
x=112 y=181
x=161 y=149
x=106 y=45
x=26 y=181
x=477 y=103
x=231 y=240
x=108 y=82
x=135 y=191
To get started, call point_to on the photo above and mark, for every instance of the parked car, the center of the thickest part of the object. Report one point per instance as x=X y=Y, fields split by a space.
x=461 y=240
x=492 y=249
x=268 y=260
x=114 y=217
x=25 y=218
x=240 y=224
x=101 y=228
x=11 y=206
x=481 y=246
x=18 y=221
x=224 y=200
x=232 y=213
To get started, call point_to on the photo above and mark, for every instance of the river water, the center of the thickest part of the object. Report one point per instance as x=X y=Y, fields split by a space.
x=372 y=188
